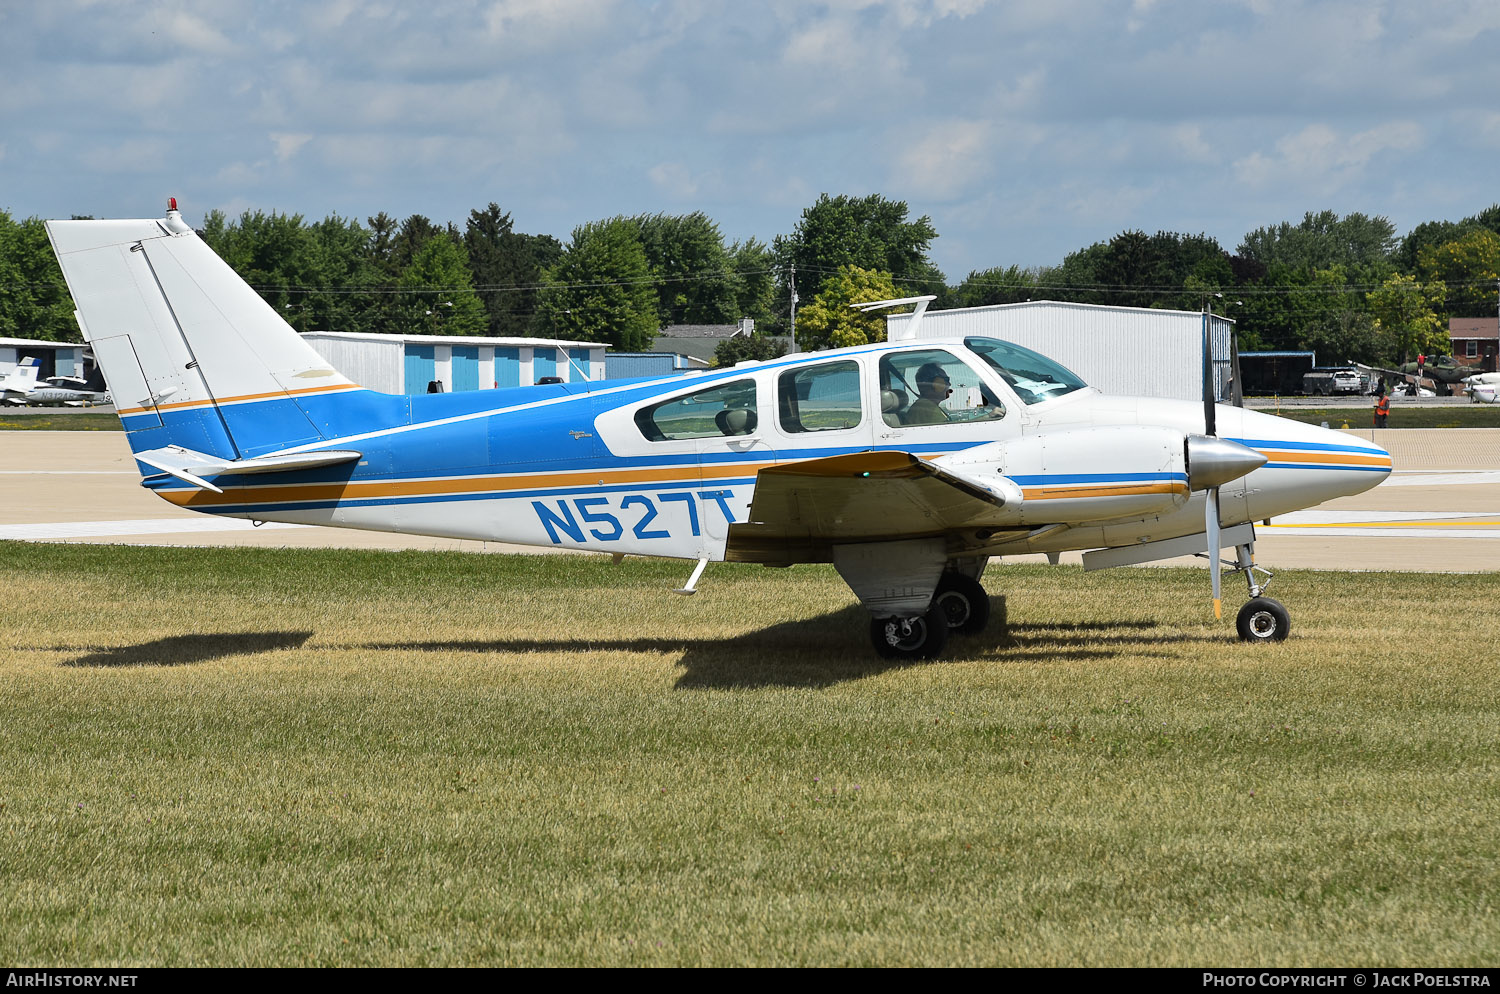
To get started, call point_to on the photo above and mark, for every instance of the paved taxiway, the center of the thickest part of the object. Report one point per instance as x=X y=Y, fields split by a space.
x=1439 y=511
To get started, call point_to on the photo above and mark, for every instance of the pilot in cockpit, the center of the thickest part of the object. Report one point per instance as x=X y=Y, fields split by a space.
x=932 y=389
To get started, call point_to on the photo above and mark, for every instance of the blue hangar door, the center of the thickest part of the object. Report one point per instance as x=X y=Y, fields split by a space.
x=465 y=367
x=421 y=369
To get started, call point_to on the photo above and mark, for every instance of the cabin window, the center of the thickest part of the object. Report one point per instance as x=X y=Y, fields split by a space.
x=931 y=387
x=820 y=398
x=728 y=409
x=1033 y=376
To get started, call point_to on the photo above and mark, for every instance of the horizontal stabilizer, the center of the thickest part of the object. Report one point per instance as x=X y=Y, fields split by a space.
x=191 y=467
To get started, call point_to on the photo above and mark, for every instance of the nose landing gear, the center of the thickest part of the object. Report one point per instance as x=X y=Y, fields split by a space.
x=1261 y=619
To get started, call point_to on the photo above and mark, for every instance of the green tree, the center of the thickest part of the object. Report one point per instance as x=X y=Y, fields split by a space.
x=870 y=233
x=1324 y=240
x=507 y=268
x=1430 y=234
x=830 y=322
x=1469 y=266
x=440 y=297
x=601 y=289
x=984 y=288
x=1407 y=310
x=1077 y=279
x=338 y=259
x=1141 y=270
x=1334 y=318
x=274 y=254
x=743 y=347
x=34 y=299
x=755 y=279
x=694 y=281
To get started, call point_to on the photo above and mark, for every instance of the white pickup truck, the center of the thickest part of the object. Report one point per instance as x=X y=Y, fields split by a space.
x=1329 y=380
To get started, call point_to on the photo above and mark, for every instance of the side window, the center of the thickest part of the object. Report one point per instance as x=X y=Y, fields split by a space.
x=820 y=398
x=722 y=410
x=931 y=387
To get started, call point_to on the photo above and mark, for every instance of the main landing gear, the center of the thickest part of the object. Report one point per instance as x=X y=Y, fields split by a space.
x=1261 y=619
x=959 y=605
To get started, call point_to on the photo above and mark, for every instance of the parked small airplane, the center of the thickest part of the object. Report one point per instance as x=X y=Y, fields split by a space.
x=1439 y=369
x=1483 y=387
x=21 y=378
x=907 y=464
x=70 y=390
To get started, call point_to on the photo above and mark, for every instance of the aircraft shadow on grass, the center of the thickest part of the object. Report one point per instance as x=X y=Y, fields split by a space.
x=811 y=653
x=181 y=650
x=814 y=652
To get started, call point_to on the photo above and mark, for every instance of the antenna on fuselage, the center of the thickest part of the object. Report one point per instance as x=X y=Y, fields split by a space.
x=909 y=329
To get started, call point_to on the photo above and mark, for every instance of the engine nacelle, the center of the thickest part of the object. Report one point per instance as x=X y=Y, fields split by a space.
x=1085 y=474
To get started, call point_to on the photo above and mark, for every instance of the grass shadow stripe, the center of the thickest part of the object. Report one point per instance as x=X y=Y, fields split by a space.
x=182 y=650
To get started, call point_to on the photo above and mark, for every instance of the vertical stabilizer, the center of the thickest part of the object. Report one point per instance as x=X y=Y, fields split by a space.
x=193 y=356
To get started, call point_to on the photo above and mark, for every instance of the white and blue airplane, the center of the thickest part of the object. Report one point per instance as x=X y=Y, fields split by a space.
x=21 y=378
x=907 y=464
x=72 y=391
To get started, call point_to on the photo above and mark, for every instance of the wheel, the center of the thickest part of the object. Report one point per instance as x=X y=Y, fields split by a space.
x=913 y=638
x=1263 y=620
x=963 y=603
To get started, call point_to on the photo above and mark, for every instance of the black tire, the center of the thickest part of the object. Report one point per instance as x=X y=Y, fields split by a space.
x=963 y=603
x=1263 y=620
x=921 y=638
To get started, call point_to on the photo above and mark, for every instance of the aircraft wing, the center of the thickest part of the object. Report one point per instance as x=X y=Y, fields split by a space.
x=800 y=510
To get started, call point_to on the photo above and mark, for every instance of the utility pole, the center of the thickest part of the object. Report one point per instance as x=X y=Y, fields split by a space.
x=792 y=282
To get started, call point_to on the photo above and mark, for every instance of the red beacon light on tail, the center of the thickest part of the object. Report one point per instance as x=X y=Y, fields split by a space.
x=175 y=223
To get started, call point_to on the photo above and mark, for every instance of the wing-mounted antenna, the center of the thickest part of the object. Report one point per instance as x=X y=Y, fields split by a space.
x=908 y=330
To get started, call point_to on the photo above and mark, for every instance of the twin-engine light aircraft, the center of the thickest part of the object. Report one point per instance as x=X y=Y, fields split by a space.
x=907 y=464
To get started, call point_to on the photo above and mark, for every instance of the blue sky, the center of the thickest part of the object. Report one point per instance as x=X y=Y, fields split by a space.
x=1025 y=129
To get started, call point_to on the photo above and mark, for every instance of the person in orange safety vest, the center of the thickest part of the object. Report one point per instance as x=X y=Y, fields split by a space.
x=1382 y=410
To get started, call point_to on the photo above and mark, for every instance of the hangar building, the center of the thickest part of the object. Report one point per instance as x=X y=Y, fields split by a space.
x=410 y=364
x=1120 y=350
x=57 y=358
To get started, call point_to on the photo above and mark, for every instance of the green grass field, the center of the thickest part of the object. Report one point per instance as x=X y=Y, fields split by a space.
x=292 y=757
x=60 y=420
x=1449 y=416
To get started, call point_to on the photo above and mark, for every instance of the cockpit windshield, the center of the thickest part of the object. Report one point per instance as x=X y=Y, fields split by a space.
x=1032 y=376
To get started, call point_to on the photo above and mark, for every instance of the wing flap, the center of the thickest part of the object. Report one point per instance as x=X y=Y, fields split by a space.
x=800 y=510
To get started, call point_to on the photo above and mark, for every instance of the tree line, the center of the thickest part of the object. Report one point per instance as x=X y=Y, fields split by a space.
x=1346 y=287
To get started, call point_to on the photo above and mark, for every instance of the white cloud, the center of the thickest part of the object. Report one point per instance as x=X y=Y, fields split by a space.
x=288 y=144
x=946 y=160
x=1107 y=208
x=1489 y=128
x=674 y=179
x=1188 y=142
x=192 y=32
x=1322 y=158
x=144 y=155
x=239 y=174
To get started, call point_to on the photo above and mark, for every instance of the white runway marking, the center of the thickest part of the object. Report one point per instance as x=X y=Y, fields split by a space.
x=1412 y=478
x=52 y=531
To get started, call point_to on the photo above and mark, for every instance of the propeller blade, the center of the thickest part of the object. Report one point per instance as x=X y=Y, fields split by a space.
x=1211 y=525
